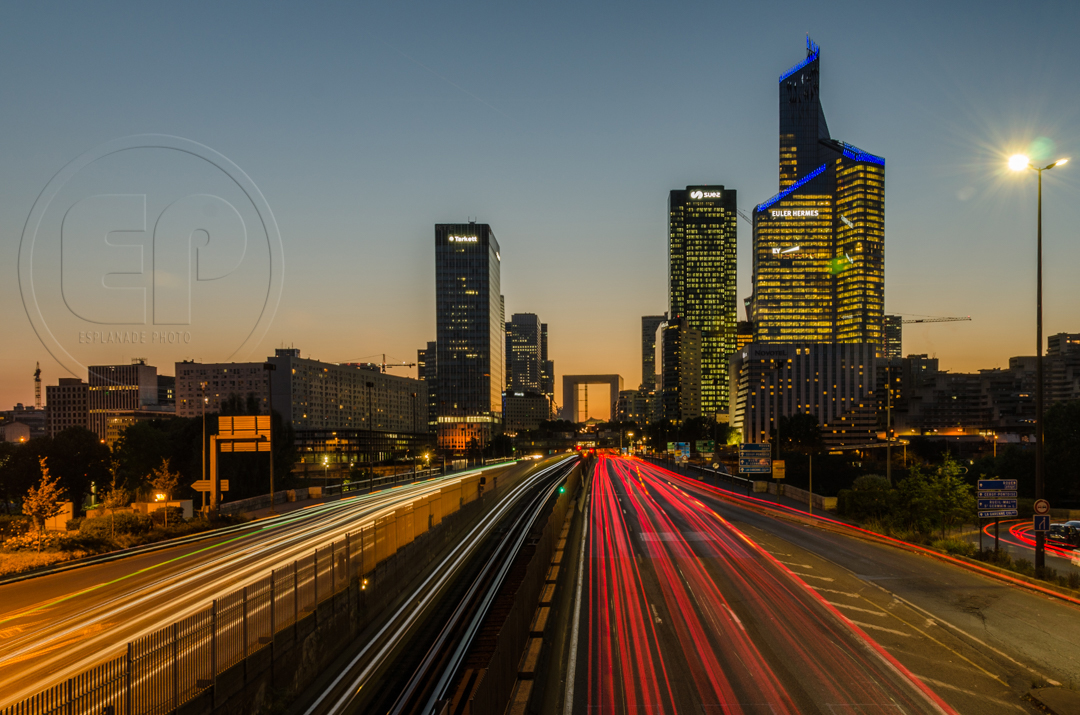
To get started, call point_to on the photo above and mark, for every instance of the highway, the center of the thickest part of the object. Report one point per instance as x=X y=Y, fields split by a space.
x=687 y=614
x=55 y=626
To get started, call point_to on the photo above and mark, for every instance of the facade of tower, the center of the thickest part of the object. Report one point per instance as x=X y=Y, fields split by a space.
x=819 y=244
x=649 y=372
x=470 y=335
x=701 y=280
x=524 y=353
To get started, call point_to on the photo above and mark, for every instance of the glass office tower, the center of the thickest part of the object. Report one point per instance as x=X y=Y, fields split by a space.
x=469 y=334
x=701 y=280
x=819 y=244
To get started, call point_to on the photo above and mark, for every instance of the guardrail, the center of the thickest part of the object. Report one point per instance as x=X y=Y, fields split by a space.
x=209 y=653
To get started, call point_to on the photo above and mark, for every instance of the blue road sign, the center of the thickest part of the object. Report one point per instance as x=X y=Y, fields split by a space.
x=1006 y=484
x=997 y=514
x=996 y=495
x=754 y=449
x=755 y=465
x=997 y=504
x=1042 y=522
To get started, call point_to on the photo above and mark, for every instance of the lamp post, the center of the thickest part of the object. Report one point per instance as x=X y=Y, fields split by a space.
x=1020 y=162
x=202 y=387
x=269 y=367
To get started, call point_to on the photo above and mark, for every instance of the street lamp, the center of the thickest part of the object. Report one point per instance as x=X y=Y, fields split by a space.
x=1020 y=162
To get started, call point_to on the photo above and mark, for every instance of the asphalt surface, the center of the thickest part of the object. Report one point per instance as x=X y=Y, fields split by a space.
x=55 y=626
x=978 y=643
x=685 y=613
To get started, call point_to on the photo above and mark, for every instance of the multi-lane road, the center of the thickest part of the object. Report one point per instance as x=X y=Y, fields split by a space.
x=55 y=626
x=697 y=601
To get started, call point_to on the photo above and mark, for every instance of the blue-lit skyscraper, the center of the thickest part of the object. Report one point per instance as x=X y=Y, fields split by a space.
x=819 y=244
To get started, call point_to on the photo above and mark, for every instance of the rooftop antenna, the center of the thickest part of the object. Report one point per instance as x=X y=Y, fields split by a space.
x=37 y=386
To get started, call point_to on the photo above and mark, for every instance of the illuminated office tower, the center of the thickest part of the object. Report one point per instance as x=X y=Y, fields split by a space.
x=819 y=244
x=470 y=335
x=894 y=337
x=524 y=359
x=701 y=280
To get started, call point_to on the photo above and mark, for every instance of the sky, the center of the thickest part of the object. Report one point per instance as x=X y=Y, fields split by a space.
x=319 y=144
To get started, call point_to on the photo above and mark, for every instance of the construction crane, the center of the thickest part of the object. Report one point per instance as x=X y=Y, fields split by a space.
x=935 y=320
x=37 y=386
x=381 y=365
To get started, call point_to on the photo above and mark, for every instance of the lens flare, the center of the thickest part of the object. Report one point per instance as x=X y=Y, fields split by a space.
x=1018 y=162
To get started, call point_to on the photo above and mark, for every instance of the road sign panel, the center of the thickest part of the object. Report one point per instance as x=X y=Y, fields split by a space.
x=997 y=504
x=1042 y=522
x=224 y=485
x=779 y=469
x=1041 y=506
x=996 y=495
x=201 y=485
x=997 y=514
x=748 y=447
x=1006 y=484
x=755 y=465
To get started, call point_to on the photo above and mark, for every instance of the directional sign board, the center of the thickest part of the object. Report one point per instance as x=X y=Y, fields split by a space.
x=779 y=469
x=755 y=458
x=996 y=494
x=999 y=484
x=996 y=504
x=1042 y=523
x=997 y=514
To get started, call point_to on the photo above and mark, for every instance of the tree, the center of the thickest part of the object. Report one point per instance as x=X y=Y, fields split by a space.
x=116 y=497
x=43 y=501
x=79 y=459
x=164 y=481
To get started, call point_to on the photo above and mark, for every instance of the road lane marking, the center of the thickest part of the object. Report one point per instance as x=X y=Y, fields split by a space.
x=788 y=563
x=856 y=608
x=654 y=613
x=806 y=575
x=881 y=628
x=737 y=620
x=972 y=693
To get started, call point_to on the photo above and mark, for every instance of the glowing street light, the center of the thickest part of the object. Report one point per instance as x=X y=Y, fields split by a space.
x=1020 y=162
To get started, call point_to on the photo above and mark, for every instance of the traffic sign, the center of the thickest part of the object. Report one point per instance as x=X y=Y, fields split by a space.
x=993 y=494
x=201 y=485
x=1042 y=523
x=755 y=458
x=1041 y=507
x=755 y=448
x=779 y=469
x=996 y=504
x=755 y=466
x=1006 y=484
x=997 y=514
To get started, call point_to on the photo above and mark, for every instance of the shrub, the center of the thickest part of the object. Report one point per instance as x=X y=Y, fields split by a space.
x=13 y=524
x=123 y=523
x=176 y=516
x=1025 y=567
x=73 y=524
x=34 y=541
x=958 y=547
x=1073 y=580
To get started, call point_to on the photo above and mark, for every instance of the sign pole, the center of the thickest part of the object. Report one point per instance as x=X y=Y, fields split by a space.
x=997 y=538
x=980 y=536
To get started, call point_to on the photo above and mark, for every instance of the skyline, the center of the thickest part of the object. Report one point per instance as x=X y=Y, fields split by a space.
x=959 y=231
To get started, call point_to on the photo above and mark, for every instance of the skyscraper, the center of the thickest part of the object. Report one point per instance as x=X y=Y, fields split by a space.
x=894 y=337
x=701 y=280
x=681 y=370
x=547 y=367
x=649 y=371
x=427 y=371
x=819 y=244
x=524 y=359
x=470 y=334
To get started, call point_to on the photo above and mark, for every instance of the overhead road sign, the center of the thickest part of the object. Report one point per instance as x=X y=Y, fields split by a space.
x=1001 y=484
x=1041 y=523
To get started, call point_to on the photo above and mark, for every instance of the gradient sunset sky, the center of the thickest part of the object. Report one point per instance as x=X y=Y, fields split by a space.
x=563 y=125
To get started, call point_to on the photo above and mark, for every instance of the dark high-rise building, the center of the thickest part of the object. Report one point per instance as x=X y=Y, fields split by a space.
x=819 y=244
x=681 y=370
x=547 y=367
x=701 y=280
x=426 y=370
x=524 y=353
x=470 y=334
x=117 y=388
x=649 y=371
x=894 y=337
